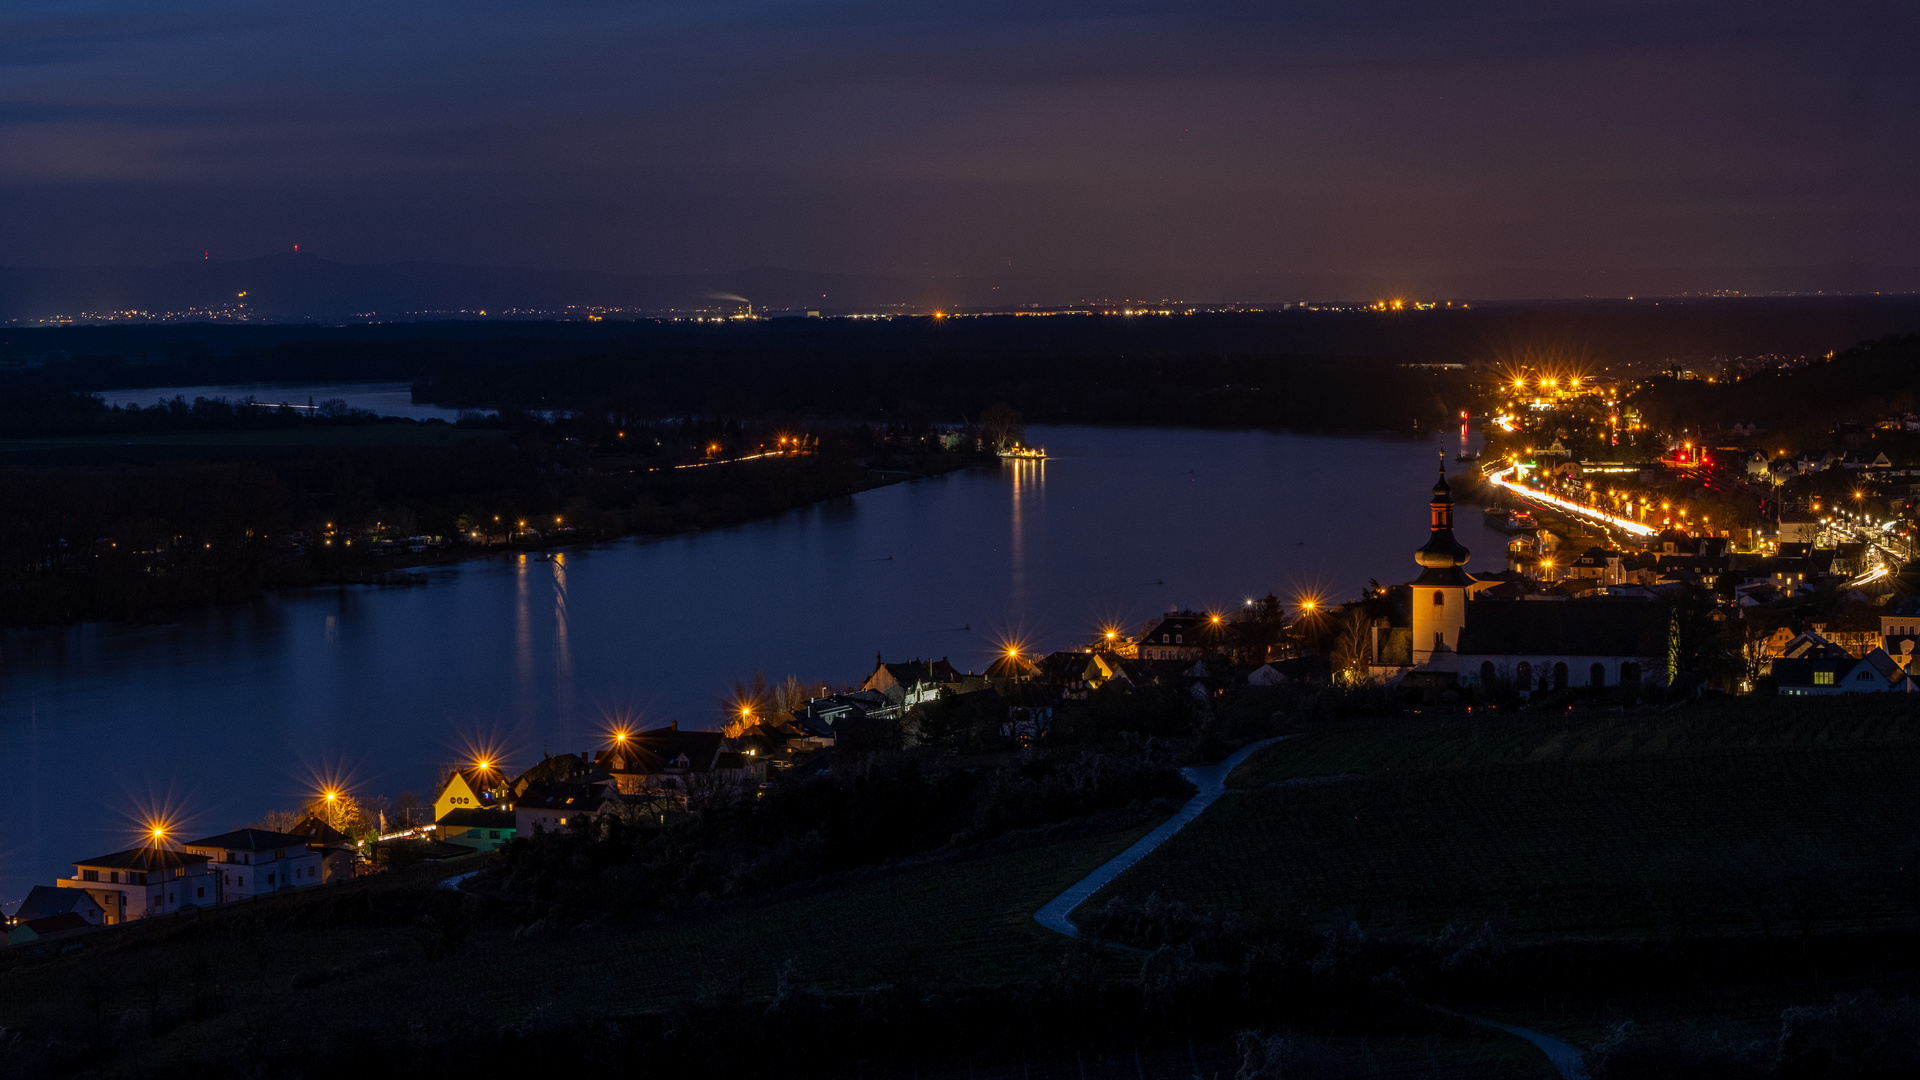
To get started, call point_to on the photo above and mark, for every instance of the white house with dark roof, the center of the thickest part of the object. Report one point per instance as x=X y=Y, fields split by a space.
x=144 y=881
x=255 y=862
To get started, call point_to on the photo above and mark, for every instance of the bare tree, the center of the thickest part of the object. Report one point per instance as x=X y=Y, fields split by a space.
x=1002 y=425
x=1350 y=646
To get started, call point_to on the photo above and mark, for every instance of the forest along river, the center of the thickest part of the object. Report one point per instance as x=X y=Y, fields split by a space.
x=245 y=709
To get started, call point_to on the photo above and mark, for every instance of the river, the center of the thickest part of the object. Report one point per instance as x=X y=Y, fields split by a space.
x=246 y=709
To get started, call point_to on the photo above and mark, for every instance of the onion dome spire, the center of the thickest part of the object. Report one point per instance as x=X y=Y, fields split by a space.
x=1441 y=549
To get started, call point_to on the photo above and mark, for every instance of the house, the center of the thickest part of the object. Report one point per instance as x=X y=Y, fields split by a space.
x=27 y=931
x=1797 y=527
x=1011 y=667
x=1180 y=635
x=1443 y=630
x=145 y=881
x=1902 y=620
x=46 y=901
x=338 y=853
x=915 y=682
x=1813 y=676
x=688 y=762
x=565 y=768
x=249 y=863
x=552 y=807
x=1601 y=565
x=469 y=789
x=478 y=829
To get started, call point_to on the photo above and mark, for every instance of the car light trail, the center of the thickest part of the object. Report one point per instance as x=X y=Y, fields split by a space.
x=1627 y=524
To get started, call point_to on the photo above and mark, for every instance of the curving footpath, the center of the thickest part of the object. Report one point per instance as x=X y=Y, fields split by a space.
x=1212 y=782
x=1210 y=779
x=1567 y=1060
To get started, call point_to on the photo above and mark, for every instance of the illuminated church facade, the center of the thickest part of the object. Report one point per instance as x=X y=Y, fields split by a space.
x=1440 y=632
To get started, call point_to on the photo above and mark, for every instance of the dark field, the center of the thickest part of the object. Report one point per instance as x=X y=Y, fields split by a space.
x=1783 y=821
x=244 y=981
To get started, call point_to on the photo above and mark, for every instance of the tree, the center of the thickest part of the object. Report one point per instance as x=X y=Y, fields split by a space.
x=1350 y=645
x=1002 y=425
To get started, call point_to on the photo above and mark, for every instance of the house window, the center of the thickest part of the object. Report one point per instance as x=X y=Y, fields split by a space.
x=493 y=834
x=1164 y=638
x=89 y=875
x=113 y=876
x=1439 y=640
x=200 y=893
x=269 y=879
x=1439 y=598
x=243 y=881
x=1823 y=678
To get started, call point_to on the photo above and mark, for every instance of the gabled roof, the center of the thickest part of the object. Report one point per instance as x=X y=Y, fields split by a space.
x=574 y=798
x=662 y=748
x=315 y=831
x=550 y=769
x=55 y=924
x=45 y=901
x=1602 y=626
x=911 y=673
x=1435 y=577
x=251 y=840
x=144 y=858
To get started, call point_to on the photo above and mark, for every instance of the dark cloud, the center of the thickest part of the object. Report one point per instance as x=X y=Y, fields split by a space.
x=1180 y=143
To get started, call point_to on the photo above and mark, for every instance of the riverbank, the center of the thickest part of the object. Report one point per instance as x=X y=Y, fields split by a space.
x=152 y=530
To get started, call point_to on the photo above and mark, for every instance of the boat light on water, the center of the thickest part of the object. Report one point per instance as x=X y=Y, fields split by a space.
x=1500 y=479
x=1034 y=452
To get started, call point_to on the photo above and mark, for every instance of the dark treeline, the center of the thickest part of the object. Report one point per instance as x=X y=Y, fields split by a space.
x=1860 y=385
x=1311 y=368
x=31 y=412
x=151 y=532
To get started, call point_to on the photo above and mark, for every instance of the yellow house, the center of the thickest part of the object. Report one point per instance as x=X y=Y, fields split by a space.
x=471 y=789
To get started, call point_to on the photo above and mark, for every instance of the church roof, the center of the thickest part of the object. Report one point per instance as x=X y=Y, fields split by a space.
x=1596 y=627
x=1442 y=577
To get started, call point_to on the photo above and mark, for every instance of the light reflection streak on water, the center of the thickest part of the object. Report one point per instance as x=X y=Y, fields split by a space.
x=562 y=650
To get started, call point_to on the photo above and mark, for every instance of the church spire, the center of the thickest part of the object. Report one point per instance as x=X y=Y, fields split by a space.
x=1442 y=549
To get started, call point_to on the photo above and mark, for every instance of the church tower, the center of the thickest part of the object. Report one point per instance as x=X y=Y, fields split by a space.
x=1440 y=592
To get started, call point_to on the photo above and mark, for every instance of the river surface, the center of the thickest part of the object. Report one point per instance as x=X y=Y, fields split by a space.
x=247 y=709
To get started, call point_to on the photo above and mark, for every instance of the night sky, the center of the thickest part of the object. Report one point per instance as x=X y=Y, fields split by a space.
x=1188 y=145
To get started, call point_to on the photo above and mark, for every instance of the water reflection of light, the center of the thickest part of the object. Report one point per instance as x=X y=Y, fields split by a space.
x=1029 y=479
x=562 y=649
x=522 y=623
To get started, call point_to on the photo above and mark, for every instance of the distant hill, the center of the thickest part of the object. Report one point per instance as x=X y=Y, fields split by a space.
x=295 y=287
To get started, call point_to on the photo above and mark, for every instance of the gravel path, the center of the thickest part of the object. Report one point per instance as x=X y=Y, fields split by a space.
x=1210 y=779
